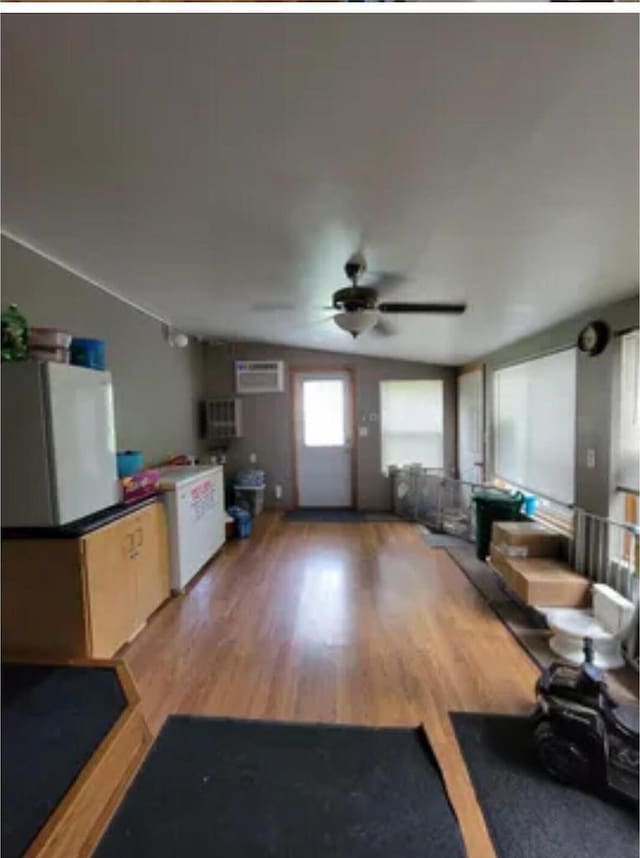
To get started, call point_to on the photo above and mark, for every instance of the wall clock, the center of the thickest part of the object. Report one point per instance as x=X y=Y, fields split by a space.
x=594 y=338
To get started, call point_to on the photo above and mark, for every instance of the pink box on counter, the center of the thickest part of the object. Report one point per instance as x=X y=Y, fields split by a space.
x=140 y=485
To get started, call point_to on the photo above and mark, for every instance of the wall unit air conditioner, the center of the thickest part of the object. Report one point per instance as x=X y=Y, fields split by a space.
x=259 y=376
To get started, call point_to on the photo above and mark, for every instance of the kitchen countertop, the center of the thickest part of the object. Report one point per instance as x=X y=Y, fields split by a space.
x=80 y=527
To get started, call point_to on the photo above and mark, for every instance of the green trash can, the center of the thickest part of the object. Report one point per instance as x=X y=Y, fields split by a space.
x=493 y=505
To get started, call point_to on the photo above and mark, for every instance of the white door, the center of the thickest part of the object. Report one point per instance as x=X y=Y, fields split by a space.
x=323 y=438
x=83 y=440
x=471 y=426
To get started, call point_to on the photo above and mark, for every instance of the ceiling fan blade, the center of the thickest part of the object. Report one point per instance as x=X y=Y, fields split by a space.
x=454 y=309
x=284 y=306
x=320 y=321
x=384 y=281
x=382 y=328
x=273 y=307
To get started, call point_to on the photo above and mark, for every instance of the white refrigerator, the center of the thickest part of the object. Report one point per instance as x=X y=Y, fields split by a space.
x=194 y=502
x=58 y=443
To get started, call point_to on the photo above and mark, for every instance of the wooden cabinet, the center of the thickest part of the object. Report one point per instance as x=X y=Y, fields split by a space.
x=84 y=597
x=151 y=561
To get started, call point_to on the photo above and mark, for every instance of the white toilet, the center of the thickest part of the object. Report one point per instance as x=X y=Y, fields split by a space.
x=606 y=624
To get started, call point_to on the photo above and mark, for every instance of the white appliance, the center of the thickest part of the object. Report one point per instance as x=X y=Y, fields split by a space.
x=194 y=502
x=259 y=376
x=58 y=443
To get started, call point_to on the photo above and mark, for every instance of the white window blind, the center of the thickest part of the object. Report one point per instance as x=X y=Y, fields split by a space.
x=412 y=421
x=534 y=422
x=629 y=449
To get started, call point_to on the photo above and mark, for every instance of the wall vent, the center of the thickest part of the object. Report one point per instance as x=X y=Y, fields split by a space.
x=223 y=421
x=259 y=376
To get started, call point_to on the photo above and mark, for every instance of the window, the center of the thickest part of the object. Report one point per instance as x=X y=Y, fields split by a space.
x=534 y=425
x=629 y=435
x=625 y=506
x=411 y=418
x=323 y=412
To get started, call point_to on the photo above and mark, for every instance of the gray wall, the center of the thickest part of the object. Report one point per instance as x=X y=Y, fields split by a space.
x=596 y=397
x=267 y=417
x=156 y=387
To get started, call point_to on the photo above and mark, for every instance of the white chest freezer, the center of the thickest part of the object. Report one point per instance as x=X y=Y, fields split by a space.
x=194 y=503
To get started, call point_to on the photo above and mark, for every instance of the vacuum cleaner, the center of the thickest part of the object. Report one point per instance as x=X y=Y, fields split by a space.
x=583 y=737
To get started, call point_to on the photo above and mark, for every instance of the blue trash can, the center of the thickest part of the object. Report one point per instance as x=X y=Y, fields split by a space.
x=242 y=520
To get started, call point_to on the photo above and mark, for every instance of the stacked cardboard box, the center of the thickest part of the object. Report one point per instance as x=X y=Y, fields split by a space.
x=527 y=556
x=527 y=539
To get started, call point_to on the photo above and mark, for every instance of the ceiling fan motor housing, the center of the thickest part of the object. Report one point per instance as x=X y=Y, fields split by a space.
x=354 y=298
x=355 y=267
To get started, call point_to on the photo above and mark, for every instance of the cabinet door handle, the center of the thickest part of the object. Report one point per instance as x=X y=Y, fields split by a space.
x=140 y=535
x=129 y=543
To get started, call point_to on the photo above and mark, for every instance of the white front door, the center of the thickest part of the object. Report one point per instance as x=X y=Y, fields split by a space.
x=323 y=438
x=471 y=426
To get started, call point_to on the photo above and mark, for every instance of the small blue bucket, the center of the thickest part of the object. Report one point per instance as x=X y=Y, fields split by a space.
x=89 y=353
x=530 y=505
x=129 y=462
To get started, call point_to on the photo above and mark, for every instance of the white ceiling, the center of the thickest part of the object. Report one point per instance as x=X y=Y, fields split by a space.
x=199 y=164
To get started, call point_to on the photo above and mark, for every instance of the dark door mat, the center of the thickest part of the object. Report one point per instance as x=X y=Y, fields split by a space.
x=483 y=578
x=441 y=540
x=53 y=719
x=221 y=787
x=328 y=514
x=530 y=815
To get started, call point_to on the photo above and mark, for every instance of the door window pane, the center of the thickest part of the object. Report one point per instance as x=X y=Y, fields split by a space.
x=323 y=413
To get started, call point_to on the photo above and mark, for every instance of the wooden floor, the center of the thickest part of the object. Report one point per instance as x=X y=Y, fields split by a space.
x=348 y=623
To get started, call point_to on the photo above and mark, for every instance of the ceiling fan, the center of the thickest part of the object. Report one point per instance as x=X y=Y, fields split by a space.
x=359 y=308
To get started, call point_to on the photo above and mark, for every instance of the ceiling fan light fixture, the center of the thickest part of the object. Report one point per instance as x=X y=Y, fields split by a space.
x=357 y=321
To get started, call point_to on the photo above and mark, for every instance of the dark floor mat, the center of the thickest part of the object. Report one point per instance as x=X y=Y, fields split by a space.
x=329 y=514
x=530 y=815
x=220 y=787
x=53 y=719
x=440 y=540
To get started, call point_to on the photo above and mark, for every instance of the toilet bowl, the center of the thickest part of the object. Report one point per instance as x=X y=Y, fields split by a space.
x=606 y=624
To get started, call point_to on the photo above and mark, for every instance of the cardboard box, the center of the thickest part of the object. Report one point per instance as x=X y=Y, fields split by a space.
x=500 y=562
x=527 y=539
x=542 y=581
